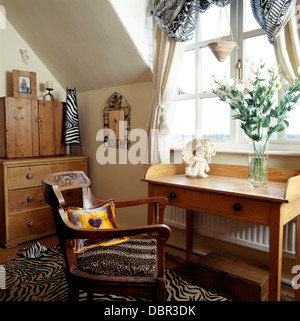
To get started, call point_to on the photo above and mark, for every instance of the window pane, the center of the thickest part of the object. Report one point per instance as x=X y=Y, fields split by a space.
x=186 y=77
x=210 y=66
x=293 y=131
x=208 y=23
x=249 y=21
x=182 y=120
x=215 y=120
x=258 y=48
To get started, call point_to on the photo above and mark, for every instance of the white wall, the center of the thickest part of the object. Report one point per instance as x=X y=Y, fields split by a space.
x=135 y=22
x=121 y=182
x=10 y=58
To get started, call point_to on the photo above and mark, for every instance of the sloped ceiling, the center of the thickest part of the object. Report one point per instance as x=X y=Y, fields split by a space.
x=82 y=42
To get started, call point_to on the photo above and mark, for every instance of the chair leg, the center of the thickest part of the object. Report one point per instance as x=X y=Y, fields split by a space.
x=73 y=294
x=90 y=296
x=160 y=291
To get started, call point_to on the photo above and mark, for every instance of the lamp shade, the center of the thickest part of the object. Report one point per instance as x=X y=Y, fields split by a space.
x=222 y=49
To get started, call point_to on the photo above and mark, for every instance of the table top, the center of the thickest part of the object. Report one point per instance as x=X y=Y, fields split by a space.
x=223 y=184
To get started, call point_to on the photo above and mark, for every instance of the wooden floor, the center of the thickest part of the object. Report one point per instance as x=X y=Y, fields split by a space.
x=174 y=261
x=12 y=253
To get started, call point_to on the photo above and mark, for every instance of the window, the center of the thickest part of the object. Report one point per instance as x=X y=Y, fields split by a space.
x=195 y=110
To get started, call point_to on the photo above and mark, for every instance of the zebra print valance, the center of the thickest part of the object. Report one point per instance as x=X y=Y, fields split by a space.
x=178 y=18
x=272 y=15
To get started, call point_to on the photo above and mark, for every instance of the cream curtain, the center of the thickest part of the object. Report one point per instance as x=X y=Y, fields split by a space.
x=167 y=58
x=287 y=45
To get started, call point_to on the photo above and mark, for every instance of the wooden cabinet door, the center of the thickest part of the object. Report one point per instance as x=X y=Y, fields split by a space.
x=51 y=127
x=21 y=133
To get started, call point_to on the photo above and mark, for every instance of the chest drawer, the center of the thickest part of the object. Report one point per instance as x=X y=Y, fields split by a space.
x=68 y=166
x=25 y=199
x=26 y=176
x=234 y=207
x=30 y=223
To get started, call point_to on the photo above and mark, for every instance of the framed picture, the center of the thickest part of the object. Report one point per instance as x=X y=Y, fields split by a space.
x=24 y=84
x=116 y=121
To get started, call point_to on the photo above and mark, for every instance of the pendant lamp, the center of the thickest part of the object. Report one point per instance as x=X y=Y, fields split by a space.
x=222 y=49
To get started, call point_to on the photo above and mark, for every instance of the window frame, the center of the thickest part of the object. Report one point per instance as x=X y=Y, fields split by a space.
x=237 y=142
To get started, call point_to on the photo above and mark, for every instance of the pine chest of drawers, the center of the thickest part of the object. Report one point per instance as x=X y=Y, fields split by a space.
x=24 y=215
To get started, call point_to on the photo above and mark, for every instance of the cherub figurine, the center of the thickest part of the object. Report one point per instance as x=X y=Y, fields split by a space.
x=197 y=155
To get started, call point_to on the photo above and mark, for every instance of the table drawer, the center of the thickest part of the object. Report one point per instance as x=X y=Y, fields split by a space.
x=72 y=196
x=25 y=199
x=31 y=222
x=25 y=176
x=68 y=166
x=235 y=207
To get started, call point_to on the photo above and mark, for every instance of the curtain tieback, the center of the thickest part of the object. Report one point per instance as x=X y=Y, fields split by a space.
x=163 y=126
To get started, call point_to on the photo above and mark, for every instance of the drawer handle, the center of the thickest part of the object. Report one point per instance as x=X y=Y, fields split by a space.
x=69 y=192
x=30 y=198
x=237 y=207
x=172 y=196
x=29 y=176
x=30 y=223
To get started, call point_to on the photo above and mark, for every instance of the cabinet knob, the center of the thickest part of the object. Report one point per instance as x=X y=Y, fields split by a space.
x=29 y=176
x=30 y=198
x=172 y=196
x=30 y=223
x=69 y=192
x=237 y=207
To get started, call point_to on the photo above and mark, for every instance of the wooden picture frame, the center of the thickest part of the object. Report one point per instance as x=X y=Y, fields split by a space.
x=24 y=84
x=116 y=119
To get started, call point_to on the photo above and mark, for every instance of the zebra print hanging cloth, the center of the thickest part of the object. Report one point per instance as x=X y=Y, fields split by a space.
x=34 y=251
x=178 y=18
x=272 y=15
x=72 y=133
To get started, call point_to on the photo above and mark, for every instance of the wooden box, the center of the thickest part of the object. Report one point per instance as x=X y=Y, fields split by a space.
x=30 y=127
x=232 y=278
x=18 y=127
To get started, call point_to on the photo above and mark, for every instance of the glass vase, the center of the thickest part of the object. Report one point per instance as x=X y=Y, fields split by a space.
x=258 y=163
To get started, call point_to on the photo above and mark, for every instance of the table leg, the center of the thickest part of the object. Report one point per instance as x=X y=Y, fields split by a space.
x=275 y=254
x=152 y=208
x=297 y=261
x=189 y=236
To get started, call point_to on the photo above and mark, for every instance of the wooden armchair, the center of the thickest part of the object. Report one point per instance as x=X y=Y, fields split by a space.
x=102 y=269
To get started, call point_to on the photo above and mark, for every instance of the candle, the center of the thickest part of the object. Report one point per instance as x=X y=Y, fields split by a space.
x=49 y=84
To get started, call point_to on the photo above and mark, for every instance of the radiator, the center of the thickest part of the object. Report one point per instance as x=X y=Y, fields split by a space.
x=233 y=231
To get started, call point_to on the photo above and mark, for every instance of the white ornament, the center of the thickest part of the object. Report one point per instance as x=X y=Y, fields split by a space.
x=197 y=155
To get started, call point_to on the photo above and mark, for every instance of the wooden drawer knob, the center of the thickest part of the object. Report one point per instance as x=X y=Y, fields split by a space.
x=30 y=223
x=237 y=207
x=172 y=196
x=30 y=198
x=69 y=192
x=29 y=176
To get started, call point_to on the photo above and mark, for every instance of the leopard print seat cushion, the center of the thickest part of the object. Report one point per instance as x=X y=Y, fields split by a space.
x=135 y=257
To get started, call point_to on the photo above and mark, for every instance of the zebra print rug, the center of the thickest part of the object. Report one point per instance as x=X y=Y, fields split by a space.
x=43 y=279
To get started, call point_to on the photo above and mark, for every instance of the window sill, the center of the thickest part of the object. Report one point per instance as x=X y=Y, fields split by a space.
x=243 y=151
x=275 y=152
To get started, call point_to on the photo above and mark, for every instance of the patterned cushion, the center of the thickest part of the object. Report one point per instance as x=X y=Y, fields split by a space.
x=101 y=217
x=134 y=258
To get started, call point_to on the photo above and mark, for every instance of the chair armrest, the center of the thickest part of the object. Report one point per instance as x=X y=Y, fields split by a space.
x=158 y=199
x=74 y=232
